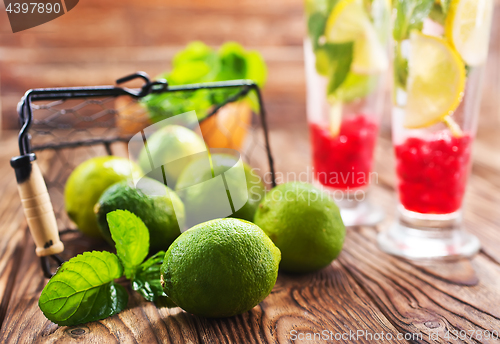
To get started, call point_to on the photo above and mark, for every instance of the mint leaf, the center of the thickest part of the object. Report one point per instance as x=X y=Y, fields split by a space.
x=147 y=278
x=437 y=14
x=410 y=15
x=356 y=86
x=232 y=61
x=196 y=54
x=445 y=5
x=322 y=6
x=256 y=68
x=83 y=290
x=339 y=63
x=400 y=67
x=131 y=238
x=316 y=27
x=200 y=63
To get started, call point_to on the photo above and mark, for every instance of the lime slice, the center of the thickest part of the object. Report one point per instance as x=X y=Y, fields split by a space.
x=436 y=81
x=467 y=28
x=349 y=22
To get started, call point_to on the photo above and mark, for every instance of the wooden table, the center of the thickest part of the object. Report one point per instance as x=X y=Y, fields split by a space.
x=363 y=290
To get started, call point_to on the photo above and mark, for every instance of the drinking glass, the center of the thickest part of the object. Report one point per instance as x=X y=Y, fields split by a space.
x=438 y=65
x=346 y=60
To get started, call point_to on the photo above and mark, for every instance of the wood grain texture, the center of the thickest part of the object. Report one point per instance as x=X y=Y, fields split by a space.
x=364 y=289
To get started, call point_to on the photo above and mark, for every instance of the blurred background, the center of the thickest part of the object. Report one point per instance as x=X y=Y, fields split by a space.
x=100 y=41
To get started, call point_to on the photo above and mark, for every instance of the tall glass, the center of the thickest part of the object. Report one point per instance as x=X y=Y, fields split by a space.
x=438 y=67
x=346 y=59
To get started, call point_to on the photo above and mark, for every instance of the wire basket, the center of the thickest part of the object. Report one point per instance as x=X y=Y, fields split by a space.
x=66 y=126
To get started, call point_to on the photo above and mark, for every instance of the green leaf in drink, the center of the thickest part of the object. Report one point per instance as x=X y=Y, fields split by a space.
x=316 y=27
x=131 y=238
x=437 y=14
x=356 y=86
x=83 y=290
x=400 y=68
x=340 y=58
x=321 y=6
x=445 y=5
x=410 y=16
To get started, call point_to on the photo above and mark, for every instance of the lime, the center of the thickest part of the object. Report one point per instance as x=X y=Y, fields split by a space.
x=86 y=184
x=304 y=223
x=467 y=28
x=156 y=205
x=220 y=268
x=168 y=144
x=436 y=81
x=200 y=171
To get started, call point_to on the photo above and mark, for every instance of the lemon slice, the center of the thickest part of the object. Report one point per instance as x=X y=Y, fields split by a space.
x=436 y=81
x=347 y=22
x=369 y=55
x=350 y=22
x=467 y=28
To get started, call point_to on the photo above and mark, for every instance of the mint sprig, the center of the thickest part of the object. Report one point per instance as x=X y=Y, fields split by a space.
x=84 y=288
x=199 y=63
x=146 y=281
x=410 y=15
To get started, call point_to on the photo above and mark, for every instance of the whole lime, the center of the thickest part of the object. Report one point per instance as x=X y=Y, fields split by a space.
x=245 y=194
x=304 y=223
x=156 y=205
x=220 y=268
x=172 y=147
x=86 y=184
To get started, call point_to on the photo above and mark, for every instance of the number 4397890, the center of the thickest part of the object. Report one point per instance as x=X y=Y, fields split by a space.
x=33 y=7
x=471 y=334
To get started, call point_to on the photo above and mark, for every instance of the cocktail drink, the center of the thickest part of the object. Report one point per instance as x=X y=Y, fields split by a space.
x=346 y=59
x=440 y=49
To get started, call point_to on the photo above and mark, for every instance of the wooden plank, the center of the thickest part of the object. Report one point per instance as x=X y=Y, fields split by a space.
x=329 y=300
x=410 y=299
x=417 y=302
x=12 y=240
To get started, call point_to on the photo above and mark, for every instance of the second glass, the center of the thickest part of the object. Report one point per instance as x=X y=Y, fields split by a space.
x=346 y=60
x=439 y=58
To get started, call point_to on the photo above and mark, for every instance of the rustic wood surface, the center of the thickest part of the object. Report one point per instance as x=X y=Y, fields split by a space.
x=364 y=289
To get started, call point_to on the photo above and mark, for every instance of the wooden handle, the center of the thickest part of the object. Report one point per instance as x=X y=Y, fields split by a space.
x=37 y=207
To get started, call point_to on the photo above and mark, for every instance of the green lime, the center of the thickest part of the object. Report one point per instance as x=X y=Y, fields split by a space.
x=86 y=184
x=156 y=205
x=168 y=144
x=245 y=196
x=220 y=268
x=304 y=223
